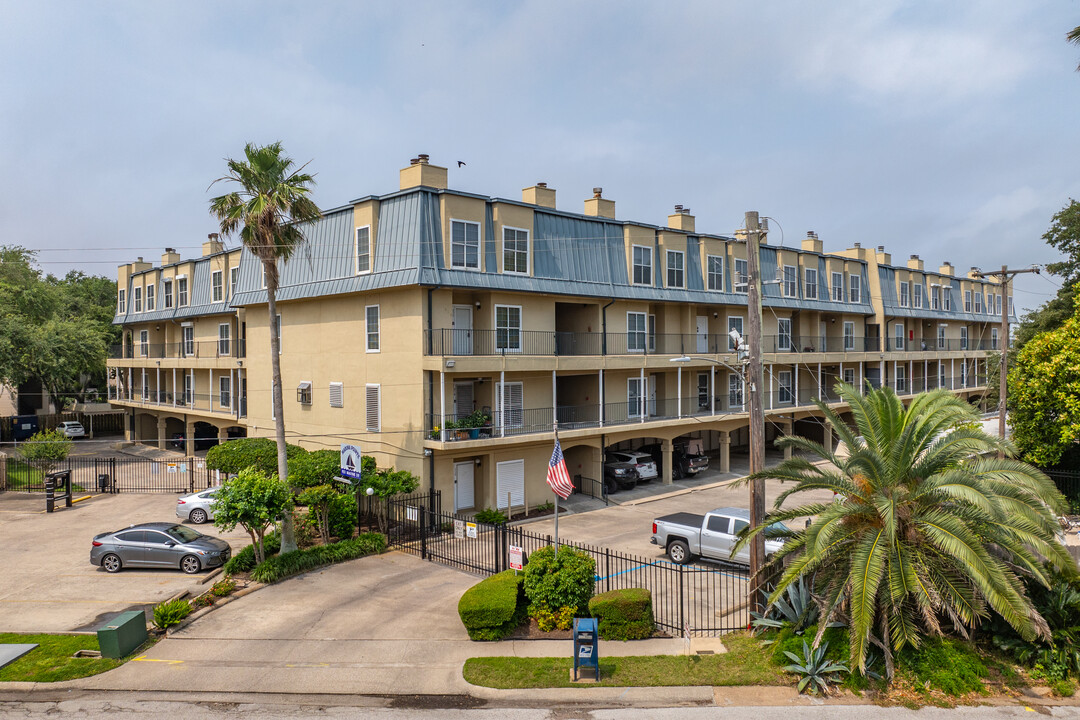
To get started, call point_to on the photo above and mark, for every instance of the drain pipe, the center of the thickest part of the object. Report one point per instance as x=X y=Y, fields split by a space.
x=603 y=312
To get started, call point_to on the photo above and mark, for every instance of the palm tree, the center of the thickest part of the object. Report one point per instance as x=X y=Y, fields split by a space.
x=926 y=530
x=1073 y=36
x=268 y=212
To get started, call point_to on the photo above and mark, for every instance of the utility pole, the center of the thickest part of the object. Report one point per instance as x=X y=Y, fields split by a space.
x=1004 y=275
x=755 y=380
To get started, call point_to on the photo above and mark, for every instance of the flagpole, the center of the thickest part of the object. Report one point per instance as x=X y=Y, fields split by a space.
x=555 y=428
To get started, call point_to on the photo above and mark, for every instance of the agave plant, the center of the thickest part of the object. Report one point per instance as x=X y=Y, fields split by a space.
x=928 y=529
x=817 y=671
x=794 y=608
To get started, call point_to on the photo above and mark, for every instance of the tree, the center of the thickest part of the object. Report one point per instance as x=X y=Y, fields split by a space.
x=259 y=453
x=317 y=467
x=1044 y=394
x=46 y=449
x=253 y=500
x=928 y=529
x=385 y=484
x=268 y=213
x=319 y=499
x=1073 y=36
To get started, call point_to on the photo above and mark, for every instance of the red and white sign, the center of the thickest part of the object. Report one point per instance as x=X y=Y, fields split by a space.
x=516 y=555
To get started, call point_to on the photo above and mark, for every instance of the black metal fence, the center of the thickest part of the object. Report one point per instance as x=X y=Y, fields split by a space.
x=110 y=475
x=1068 y=483
x=702 y=600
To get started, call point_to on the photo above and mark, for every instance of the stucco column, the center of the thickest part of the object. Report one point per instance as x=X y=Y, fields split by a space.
x=222 y=434
x=826 y=439
x=788 y=430
x=189 y=436
x=161 y=439
x=665 y=449
x=725 y=451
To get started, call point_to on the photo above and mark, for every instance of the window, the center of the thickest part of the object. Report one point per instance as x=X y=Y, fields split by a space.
x=810 y=283
x=935 y=298
x=635 y=332
x=217 y=279
x=464 y=244
x=963 y=374
x=137 y=297
x=150 y=297
x=223 y=334
x=733 y=323
x=181 y=292
x=166 y=292
x=715 y=267
x=901 y=379
x=303 y=393
x=189 y=390
x=963 y=338
x=783 y=334
x=262 y=270
x=941 y=374
x=838 y=287
x=993 y=338
x=849 y=335
x=855 y=288
x=849 y=376
x=363 y=250
x=512 y=414
x=372 y=315
x=234 y=278
x=676 y=276
x=634 y=397
x=905 y=291
x=946 y=299
x=703 y=391
x=121 y=302
x=337 y=395
x=187 y=334
x=941 y=337
x=642 y=265
x=373 y=407
x=786 y=395
x=652 y=333
x=918 y=295
x=508 y=328
x=967 y=301
x=791 y=281
x=735 y=390
x=144 y=343
x=978 y=302
x=719 y=524
x=898 y=328
x=277 y=332
x=225 y=391
x=515 y=251
x=741 y=279
x=1010 y=305
x=997 y=305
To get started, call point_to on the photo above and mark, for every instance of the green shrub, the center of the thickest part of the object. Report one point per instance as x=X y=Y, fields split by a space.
x=491 y=609
x=244 y=560
x=491 y=517
x=222 y=587
x=623 y=614
x=951 y=666
x=171 y=613
x=236 y=455
x=557 y=619
x=342 y=516
x=279 y=567
x=1063 y=688
x=559 y=579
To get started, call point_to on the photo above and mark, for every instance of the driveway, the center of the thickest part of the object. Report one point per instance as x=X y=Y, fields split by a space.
x=49 y=584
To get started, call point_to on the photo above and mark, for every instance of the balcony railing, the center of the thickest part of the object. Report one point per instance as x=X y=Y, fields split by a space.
x=188 y=401
x=181 y=350
x=936 y=344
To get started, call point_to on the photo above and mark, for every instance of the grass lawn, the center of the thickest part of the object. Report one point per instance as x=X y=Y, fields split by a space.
x=20 y=476
x=52 y=660
x=743 y=664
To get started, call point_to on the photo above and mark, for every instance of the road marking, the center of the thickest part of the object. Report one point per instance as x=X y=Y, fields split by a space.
x=307 y=665
x=143 y=658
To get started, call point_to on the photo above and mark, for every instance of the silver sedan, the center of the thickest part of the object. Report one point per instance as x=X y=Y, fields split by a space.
x=197 y=507
x=158 y=545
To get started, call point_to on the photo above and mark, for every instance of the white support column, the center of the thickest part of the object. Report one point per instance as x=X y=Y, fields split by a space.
x=442 y=405
x=925 y=369
x=770 y=386
x=210 y=391
x=234 y=375
x=910 y=377
x=952 y=372
x=795 y=375
x=894 y=364
x=157 y=386
x=860 y=377
x=819 y=393
x=130 y=396
x=643 y=395
x=712 y=389
x=678 y=381
x=881 y=370
x=554 y=399
x=174 y=387
x=601 y=397
x=502 y=403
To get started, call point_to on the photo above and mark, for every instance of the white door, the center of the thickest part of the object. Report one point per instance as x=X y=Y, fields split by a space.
x=464 y=487
x=702 y=334
x=652 y=395
x=463 y=327
x=463 y=399
x=510 y=481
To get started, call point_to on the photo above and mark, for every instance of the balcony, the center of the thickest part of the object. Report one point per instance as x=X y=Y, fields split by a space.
x=938 y=345
x=179 y=351
x=185 y=402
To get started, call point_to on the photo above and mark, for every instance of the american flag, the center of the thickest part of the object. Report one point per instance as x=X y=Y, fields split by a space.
x=557 y=477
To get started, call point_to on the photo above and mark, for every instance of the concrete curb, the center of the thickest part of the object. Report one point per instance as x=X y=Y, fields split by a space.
x=212 y=574
x=210 y=608
x=636 y=696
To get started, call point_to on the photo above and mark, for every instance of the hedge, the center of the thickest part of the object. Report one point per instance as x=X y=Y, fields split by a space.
x=623 y=614
x=279 y=567
x=244 y=560
x=491 y=609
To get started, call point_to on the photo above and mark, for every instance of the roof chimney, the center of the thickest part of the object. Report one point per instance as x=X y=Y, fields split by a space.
x=681 y=219
x=914 y=263
x=946 y=268
x=421 y=173
x=599 y=206
x=539 y=194
x=170 y=256
x=139 y=265
x=882 y=257
x=811 y=243
x=212 y=245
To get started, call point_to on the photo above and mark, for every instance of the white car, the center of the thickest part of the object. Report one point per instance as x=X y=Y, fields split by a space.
x=71 y=429
x=196 y=508
x=642 y=462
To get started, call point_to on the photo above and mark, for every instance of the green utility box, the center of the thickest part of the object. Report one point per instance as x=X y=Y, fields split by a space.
x=121 y=635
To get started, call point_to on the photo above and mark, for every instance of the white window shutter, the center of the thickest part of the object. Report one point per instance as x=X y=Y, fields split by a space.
x=337 y=395
x=374 y=410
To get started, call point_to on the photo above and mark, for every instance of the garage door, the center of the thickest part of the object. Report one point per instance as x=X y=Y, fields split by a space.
x=510 y=478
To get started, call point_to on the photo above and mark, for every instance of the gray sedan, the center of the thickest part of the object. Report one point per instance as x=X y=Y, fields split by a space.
x=158 y=545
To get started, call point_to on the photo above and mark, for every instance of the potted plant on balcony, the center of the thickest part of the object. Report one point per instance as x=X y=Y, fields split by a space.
x=454 y=430
x=474 y=422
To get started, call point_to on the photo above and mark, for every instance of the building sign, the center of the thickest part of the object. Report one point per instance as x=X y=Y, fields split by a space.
x=170 y=467
x=470 y=530
x=350 y=461
x=516 y=555
x=459 y=529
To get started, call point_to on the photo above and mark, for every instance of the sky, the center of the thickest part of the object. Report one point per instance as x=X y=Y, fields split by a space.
x=944 y=129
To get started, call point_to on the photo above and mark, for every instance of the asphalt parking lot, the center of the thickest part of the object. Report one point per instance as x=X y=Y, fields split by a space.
x=49 y=584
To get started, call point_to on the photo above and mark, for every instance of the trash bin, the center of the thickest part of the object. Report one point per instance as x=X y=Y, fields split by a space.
x=123 y=634
x=103 y=482
x=586 y=646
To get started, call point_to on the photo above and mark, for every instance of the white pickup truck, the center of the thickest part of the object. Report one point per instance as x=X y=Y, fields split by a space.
x=712 y=536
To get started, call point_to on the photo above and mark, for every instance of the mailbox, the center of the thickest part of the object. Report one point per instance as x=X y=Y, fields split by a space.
x=586 y=646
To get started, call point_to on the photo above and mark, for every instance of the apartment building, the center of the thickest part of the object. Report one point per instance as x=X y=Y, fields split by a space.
x=448 y=332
